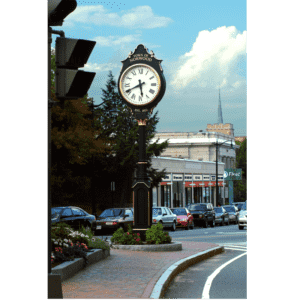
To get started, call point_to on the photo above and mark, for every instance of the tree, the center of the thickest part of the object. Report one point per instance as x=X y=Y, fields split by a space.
x=122 y=131
x=73 y=144
x=240 y=186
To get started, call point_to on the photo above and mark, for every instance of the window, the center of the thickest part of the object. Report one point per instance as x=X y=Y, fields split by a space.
x=77 y=212
x=67 y=213
x=128 y=212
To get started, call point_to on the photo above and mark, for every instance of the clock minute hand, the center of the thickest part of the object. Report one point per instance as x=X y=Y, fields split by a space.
x=133 y=87
x=140 y=85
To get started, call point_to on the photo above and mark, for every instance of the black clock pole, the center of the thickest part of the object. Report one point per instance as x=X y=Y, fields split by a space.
x=141 y=187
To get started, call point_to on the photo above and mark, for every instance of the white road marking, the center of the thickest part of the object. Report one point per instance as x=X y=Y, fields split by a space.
x=239 y=249
x=205 y=294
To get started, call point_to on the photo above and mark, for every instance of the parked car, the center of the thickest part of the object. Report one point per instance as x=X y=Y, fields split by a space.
x=203 y=214
x=242 y=220
x=238 y=205
x=184 y=217
x=73 y=216
x=114 y=218
x=164 y=215
x=221 y=216
x=233 y=213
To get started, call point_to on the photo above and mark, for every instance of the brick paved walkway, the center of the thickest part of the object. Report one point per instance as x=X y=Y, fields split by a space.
x=126 y=274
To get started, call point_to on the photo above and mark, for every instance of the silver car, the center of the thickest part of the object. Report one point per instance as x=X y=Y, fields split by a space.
x=232 y=212
x=164 y=215
x=242 y=220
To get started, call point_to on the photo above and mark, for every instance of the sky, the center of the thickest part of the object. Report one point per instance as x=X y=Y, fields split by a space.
x=202 y=45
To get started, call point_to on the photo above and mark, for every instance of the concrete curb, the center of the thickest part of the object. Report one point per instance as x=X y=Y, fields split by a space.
x=166 y=278
x=69 y=268
x=174 y=246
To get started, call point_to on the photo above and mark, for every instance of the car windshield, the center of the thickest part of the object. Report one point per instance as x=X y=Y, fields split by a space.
x=111 y=213
x=156 y=211
x=179 y=211
x=197 y=207
x=240 y=205
x=218 y=209
x=229 y=208
x=244 y=206
x=55 y=211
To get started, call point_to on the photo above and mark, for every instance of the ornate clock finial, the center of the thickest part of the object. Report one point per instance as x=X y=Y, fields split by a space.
x=130 y=54
x=152 y=53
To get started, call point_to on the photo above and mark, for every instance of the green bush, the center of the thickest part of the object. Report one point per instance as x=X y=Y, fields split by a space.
x=68 y=244
x=156 y=235
x=126 y=238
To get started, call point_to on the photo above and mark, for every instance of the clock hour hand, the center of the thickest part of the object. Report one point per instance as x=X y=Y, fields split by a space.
x=134 y=87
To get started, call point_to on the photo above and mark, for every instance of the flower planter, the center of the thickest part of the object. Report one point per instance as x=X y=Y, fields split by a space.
x=173 y=246
x=68 y=269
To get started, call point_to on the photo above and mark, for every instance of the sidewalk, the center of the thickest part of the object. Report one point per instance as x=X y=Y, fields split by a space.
x=127 y=274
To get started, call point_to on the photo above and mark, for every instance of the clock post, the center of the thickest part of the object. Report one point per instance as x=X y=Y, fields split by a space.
x=142 y=203
x=141 y=85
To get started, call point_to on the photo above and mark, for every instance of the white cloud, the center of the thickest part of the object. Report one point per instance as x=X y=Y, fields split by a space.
x=138 y=17
x=116 y=40
x=213 y=60
x=100 y=67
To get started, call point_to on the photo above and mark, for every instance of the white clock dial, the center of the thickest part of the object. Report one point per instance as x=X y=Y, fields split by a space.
x=140 y=84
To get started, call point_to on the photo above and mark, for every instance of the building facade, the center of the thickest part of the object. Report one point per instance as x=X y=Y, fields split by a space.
x=190 y=163
x=187 y=181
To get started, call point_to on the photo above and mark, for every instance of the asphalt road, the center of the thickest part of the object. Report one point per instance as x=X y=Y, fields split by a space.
x=223 y=276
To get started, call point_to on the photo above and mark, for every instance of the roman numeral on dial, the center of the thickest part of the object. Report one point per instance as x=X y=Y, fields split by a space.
x=151 y=77
x=140 y=98
x=140 y=71
x=153 y=84
x=151 y=91
x=127 y=84
x=133 y=97
x=133 y=72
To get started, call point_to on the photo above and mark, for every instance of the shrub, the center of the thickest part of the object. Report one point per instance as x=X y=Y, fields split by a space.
x=156 y=235
x=68 y=244
x=126 y=238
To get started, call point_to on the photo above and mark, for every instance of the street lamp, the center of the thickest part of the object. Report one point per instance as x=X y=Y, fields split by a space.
x=217 y=182
x=113 y=112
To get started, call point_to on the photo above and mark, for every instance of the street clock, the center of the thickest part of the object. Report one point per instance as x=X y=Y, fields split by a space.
x=141 y=82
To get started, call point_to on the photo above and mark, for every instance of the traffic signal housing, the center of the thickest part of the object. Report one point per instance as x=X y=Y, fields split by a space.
x=71 y=54
x=58 y=10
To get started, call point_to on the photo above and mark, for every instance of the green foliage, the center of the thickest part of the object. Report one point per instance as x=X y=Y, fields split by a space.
x=240 y=186
x=68 y=244
x=126 y=238
x=156 y=235
x=122 y=131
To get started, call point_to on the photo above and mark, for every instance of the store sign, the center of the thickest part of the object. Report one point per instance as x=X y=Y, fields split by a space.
x=177 y=177
x=197 y=177
x=188 y=177
x=167 y=177
x=206 y=177
x=213 y=177
x=233 y=174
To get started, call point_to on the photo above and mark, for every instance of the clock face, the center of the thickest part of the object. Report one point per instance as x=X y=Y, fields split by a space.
x=140 y=84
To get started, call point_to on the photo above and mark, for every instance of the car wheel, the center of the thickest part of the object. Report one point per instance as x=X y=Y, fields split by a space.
x=192 y=225
x=228 y=222
x=205 y=224
x=223 y=222
x=241 y=227
x=187 y=226
x=173 y=226
x=213 y=223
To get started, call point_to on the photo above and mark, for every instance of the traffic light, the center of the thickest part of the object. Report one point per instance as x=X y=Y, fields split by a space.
x=71 y=54
x=58 y=10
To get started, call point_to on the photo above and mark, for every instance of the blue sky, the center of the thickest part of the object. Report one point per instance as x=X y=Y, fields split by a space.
x=202 y=44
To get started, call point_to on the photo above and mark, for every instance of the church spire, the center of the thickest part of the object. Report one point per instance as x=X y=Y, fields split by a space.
x=220 y=117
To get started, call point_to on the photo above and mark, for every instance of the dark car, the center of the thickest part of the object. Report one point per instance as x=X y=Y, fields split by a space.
x=238 y=205
x=233 y=213
x=203 y=214
x=73 y=216
x=221 y=216
x=114 y=218
x=184 y=217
